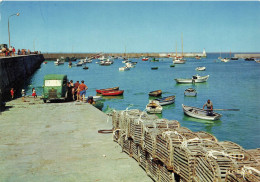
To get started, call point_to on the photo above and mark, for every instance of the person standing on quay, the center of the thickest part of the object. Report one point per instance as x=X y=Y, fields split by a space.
x=83 y=89
x=76 y=85
x=12 y=92
x=13 y=51
x=23 y=95
x=34 y=93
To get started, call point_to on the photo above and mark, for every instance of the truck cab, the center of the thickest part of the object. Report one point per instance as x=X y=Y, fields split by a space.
x=55 y=87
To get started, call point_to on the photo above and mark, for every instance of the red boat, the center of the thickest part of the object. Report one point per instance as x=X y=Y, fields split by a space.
x=107 y=89
x=112 y=92
x=145 y=59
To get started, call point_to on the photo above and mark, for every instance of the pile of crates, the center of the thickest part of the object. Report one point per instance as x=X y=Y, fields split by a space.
x=171 y=153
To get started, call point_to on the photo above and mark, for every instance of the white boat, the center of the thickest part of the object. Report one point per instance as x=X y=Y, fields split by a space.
x=179 y=61
x=154 y=107
x=166 y=100
x=129 y=64
x=125 y=68
x=58 y=62
x=194 y=79
x=201 y=68
x=225 y=60
x=200 y=113
x=258 y=61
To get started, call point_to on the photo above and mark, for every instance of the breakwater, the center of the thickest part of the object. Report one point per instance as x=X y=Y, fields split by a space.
x=14 y=71
x=251 y=55
x=171 y=153
x=53 y=56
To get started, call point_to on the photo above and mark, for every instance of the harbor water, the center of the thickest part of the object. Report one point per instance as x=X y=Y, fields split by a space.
x=231 y=85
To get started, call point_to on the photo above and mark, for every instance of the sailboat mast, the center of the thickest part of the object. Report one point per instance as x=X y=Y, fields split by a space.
x=176 y=50
x=182 y=45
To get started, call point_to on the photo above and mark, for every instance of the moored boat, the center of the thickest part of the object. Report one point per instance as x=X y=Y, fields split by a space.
x=190 y=92
x=200 y=113
x=145 y=59
x=155 y=93
x=225 y=60
x=154 y=107
x=112 y=92
x=166 y=100
x=194 y=79
x=125 y=68
x=106 y=89
x=85 y=67
x=201 y=68
x=154 y=68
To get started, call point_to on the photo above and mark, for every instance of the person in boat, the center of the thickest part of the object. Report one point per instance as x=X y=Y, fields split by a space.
x=209 y=106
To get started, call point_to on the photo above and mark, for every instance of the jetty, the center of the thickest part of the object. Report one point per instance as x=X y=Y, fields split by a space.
x=60 y=142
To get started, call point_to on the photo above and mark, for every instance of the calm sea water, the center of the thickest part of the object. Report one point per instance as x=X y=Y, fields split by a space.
x=232 y=85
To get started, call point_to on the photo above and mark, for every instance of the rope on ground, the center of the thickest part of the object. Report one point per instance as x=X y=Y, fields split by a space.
x=105 y=131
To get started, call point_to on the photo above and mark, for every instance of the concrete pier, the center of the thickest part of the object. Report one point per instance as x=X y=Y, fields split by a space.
x=60 y=142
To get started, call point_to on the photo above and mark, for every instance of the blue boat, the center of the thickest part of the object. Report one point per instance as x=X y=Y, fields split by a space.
x=166 y=100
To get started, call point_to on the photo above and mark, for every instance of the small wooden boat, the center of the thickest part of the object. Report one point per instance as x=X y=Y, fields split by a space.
x=166 y=100
x=85 y=67
x=201 y=68
x=155 y=60
x=155 y=93
x=125 y=68
x=154 y=107
x=249 y=59
x=107 y=89
x=190 y=92
x=199 y=113
x=172 y=65
x=145 y=59
x=197 y=57
x=154 y=68
x=112 y=92
x=194 y=79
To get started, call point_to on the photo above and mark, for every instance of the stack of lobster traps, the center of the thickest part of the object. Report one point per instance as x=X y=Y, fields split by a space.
x=171 y=153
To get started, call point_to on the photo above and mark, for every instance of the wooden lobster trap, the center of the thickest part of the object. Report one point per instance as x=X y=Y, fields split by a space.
x=184 y=158
x=135 y=151
x=255 y=153
x=165 y=175
x=245 y=173
x=168 y=124
x=152 y=167
x=142 y=158
x=116 y=118
x=127 y=145
x=166 y=142
x=212 y=167
x=206 y=136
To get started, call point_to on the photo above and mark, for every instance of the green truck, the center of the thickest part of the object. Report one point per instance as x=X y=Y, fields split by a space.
x=55 y=87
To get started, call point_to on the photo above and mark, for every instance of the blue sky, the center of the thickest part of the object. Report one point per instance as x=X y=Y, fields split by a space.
x=155 y=26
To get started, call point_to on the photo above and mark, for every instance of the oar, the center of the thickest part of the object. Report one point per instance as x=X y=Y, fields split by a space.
x=224 y=109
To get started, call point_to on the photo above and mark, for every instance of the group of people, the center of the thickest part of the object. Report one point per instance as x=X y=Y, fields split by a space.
x=76 y=91
x=23 y=93
x=8 y=51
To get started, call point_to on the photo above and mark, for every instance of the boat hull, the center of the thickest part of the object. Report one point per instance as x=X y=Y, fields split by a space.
x=155 y=93
x=153 y=107
x=107 y=89
x=199 y=113
x=190 y=80
x=166 y=100
x=112 y=93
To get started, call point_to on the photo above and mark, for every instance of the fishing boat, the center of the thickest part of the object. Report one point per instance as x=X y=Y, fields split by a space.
x=112 y=92
x=145 y=59
x=58 y=62
x=258 y=61
x=154 y=68
x=154 y=107
x=190 y=92
x=166 y=100
x=129 y=65
x=197 y=57
x=180 y=59
x=85 y=67
x=172 y=65
x=125 y=68
x=194 y=79
x=155 y=60
x=225 y=60
x=107 y=89
x=199 y=113
x=249 y=59
x=201 y=68
x=155 y=93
